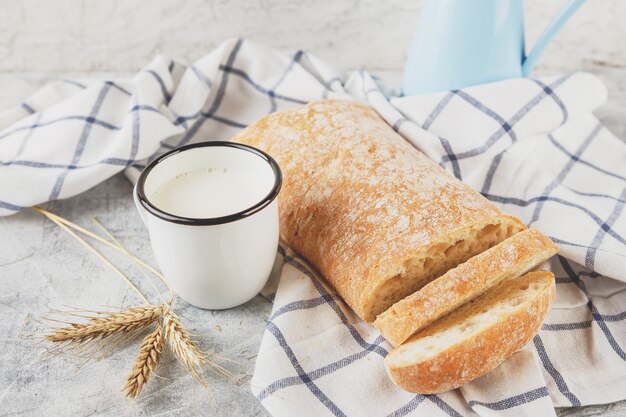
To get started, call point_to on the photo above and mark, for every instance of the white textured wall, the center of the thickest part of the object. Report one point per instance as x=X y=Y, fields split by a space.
x=122 y=35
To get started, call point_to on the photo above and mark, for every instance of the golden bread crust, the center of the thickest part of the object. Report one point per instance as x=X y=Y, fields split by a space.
x=358 y=201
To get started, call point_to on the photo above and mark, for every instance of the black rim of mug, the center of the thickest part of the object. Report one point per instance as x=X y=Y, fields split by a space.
x=267 y=200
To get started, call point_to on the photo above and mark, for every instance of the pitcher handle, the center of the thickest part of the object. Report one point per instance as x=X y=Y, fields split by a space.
x=547 y=35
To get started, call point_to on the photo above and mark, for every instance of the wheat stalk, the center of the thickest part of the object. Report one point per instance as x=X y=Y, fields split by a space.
x=94 y=251
x=121 y=248
x=146 y=362
x=58 y=219
x=106 y=324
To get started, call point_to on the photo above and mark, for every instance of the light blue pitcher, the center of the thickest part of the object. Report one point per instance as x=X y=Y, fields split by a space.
x=459 y=43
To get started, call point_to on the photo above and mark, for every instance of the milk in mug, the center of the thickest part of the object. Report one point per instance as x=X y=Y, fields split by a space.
x=210 y=192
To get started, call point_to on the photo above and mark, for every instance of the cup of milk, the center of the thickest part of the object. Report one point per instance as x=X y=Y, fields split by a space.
x=212 y=215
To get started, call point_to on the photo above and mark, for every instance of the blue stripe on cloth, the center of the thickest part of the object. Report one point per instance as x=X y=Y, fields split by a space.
x=166 y=94
x=300 y=305
x=80 y=147
x=493 y=167
x=582 y=161
x=235 y=71
x=202 y=76
x=437 y=110
x=333 y=304
x=445 y=144
x=328 y=83
x=598 y=195
x=134 y=146
x=224 y=120
x=74 y=83
x=280 y=338
x=493 y=139
x=408 y=407
x=566 y=326
x=272 y=90
x=109 y=161
x=88 y=119
x=166 y=146
x=504 y=125
x=10 y=206
x=119 y=88
x=146 y=107
x=27 y=108
x=398 y=123
x=514 y=401
x=495 y=163
x=524 y=203
x=584 y=324
x=556 y=376
x=37 y=164
x=111 y=83
x=595 y=314
x=590 y=274
x=590 y=256
x=25 y=141
x=215 y=104
x=550 y=92
x=456 y=169
x=566 y=170
x=83 y=86
x=93 y=120
x=318 y=373
x=182 y=120
x=443 y=405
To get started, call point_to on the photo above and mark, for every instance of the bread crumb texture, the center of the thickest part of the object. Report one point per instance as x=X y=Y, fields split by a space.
x=474 y=339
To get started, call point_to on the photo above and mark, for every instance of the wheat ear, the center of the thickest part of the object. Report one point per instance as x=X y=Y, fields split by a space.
x=182 y=345
x=146 y=362
x=107 y=324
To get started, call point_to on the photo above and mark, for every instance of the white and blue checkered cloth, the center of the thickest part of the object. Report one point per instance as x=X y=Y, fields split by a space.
x=533 y=147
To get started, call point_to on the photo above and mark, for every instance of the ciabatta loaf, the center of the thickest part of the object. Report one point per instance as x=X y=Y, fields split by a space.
x=511 y=258
x=474 y=339
x=378 y=218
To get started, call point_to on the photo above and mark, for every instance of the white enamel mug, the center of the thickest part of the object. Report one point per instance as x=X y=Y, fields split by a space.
x=220 y=262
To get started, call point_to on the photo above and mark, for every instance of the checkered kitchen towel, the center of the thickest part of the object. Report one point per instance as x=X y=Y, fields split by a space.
x=533 y=147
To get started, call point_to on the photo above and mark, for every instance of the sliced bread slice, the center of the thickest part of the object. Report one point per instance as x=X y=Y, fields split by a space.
x=474 y=339
x=511 y=258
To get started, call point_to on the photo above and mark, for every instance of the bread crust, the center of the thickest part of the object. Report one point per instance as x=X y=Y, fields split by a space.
x=511 y=258
x=358 y=201
x=478 y=355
